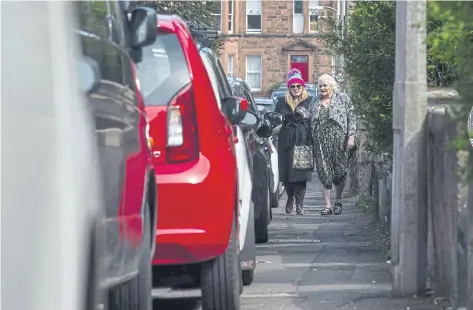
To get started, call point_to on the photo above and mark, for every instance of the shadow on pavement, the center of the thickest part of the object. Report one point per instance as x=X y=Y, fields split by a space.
x=176 y=304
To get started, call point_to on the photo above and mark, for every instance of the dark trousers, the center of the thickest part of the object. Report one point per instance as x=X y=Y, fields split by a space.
x=296 y=189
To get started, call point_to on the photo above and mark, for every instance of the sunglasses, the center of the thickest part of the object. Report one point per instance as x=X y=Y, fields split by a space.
x=296 y=86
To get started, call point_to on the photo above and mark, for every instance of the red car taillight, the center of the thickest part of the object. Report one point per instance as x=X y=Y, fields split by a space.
x=181 y=129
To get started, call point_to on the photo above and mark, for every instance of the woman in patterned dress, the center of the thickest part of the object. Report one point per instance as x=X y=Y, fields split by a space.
x=333 y=132
x=295 y=106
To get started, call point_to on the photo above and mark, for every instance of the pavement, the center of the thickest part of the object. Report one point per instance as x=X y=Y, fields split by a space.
x=321 y=263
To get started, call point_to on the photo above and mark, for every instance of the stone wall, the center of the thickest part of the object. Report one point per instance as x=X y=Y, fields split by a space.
x=449 y=219
x=450 y=202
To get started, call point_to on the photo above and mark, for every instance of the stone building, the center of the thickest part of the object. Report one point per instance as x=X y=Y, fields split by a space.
x=265 y=39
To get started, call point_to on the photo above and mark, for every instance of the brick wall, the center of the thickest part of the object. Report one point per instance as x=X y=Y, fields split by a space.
x=277 y=32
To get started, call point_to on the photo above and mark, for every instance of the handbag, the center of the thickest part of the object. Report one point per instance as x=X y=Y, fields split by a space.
x=303 y=158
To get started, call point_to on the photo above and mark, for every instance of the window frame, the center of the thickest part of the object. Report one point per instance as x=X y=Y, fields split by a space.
x=294 y=14
x=231 y=4
x=253 y=14
x=312 y=4
x=219 y=14
x=232 y=57
x=260 y=72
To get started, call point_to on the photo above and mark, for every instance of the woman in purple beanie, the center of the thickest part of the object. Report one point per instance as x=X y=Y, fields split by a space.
x=295 y=142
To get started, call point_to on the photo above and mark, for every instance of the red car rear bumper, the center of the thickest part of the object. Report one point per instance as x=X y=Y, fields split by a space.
x=196 y=210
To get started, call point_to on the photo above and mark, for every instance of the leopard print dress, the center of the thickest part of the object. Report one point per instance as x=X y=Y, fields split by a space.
x=329 y=150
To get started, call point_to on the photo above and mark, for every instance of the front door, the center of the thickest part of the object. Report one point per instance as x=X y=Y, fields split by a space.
x=301 y=62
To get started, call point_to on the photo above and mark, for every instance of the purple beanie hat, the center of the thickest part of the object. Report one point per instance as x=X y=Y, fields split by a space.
x=294 y=76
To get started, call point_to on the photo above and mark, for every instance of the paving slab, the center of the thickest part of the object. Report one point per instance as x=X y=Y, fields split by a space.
x=313 y=262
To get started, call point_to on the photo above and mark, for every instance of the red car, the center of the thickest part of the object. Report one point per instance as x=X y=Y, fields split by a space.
x=195 y=165
x=127 y=178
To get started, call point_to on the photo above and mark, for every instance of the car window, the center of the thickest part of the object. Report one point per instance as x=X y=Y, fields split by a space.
x=93 y=17
x=163 y=70
x=238 y=90
x=222 y=78
x=251 y=101
x=213 y=78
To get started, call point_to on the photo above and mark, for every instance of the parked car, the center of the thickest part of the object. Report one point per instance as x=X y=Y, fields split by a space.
x=260 y=150
x=244 y=162
x=265 y=105
x=193 y=151
x=280 y=92
x=312 y=89
x=51 y=199
x=128 y=179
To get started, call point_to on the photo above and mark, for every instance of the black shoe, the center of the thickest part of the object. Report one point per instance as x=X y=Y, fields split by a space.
x=290 y=204
x=337 y=208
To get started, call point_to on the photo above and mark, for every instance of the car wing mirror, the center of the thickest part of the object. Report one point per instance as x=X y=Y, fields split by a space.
x=274 y=118
x=143 y=27
x=235 y=109
x=249 y=121
x=89 y=74
x=265 y=130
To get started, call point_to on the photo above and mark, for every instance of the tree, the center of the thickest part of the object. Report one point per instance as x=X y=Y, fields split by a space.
x=368 y=46
x=453 y=41
x=195 y=12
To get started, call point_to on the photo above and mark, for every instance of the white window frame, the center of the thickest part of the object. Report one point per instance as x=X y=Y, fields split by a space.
x=257 y=13
x=230 y=15
x=299 y=15
x=260 y=72
x=314 y=10
x=230 y=60
x=217 y=14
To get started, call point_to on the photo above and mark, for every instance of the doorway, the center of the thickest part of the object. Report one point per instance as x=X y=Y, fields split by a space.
x=301 y=62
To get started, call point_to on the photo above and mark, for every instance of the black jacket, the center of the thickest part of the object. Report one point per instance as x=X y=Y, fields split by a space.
x=295 y=130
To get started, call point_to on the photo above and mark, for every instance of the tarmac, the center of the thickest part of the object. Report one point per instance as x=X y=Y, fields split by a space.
x=316 y=262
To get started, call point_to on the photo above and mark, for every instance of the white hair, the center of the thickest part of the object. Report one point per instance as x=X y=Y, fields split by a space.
x=327 y=78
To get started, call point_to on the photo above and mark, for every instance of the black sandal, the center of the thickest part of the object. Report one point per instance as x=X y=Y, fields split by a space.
x=337 y=208
x=326 y=211
x=300 y=210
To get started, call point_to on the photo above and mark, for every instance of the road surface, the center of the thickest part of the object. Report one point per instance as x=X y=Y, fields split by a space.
x=321 y=263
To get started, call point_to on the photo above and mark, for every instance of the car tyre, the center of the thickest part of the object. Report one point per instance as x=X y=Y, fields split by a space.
x=221 y=279
x=275 y=199
x=248 y=277
x=261 y=224
x=136 y=293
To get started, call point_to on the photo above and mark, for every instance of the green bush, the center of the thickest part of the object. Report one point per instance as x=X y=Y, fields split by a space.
x=368 y=46
x=453 y=41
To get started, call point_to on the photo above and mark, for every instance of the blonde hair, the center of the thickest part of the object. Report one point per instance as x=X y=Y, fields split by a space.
x=293 y=103
x=327 y=78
